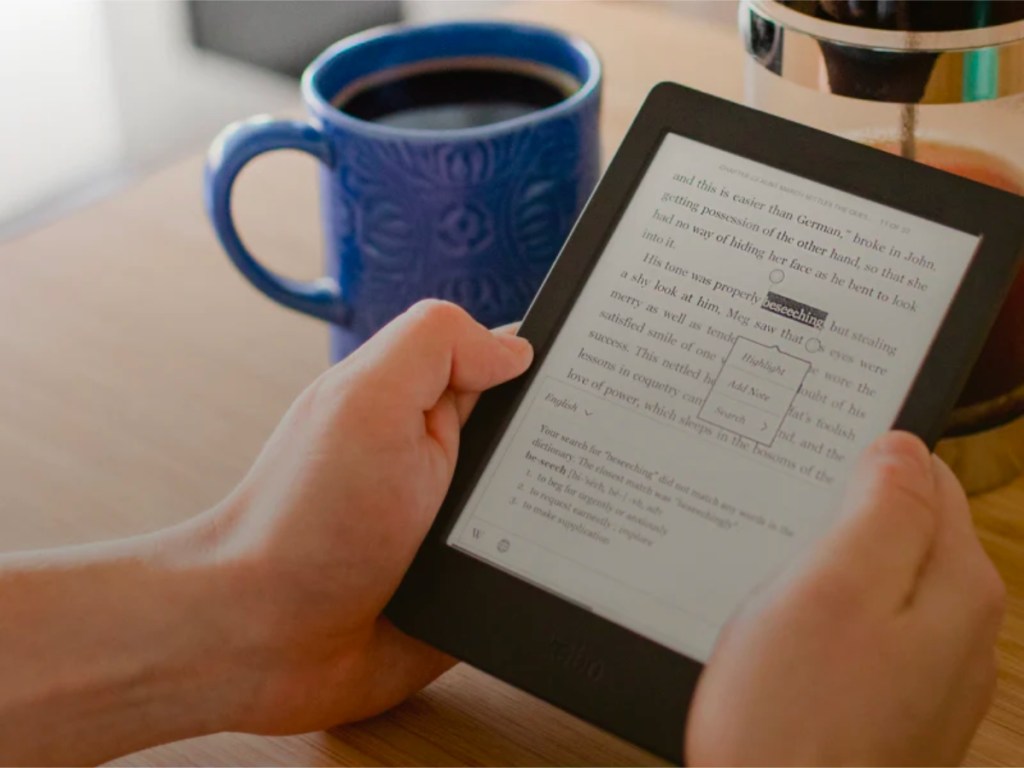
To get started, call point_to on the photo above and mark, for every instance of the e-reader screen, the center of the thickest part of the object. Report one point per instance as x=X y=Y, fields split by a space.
x=744 y=335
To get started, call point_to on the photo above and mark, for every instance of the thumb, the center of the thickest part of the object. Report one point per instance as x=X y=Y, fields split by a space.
x=435 y=346
x=393 y=668
x=889 y=523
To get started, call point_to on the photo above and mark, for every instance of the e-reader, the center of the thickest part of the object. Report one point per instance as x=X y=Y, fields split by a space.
x=743 y=305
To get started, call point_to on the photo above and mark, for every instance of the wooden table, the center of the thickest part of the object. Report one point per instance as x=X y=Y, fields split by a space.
x=141 y=375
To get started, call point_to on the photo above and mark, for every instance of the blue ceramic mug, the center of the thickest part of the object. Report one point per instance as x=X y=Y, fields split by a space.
x=473 y=215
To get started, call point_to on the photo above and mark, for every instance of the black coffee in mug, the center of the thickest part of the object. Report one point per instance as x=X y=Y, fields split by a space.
x=448 y=94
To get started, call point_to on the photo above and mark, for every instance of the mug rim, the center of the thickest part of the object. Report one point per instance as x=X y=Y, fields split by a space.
x=323 y=109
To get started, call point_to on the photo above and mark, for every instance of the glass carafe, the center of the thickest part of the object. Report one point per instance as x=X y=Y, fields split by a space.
x=938 y=82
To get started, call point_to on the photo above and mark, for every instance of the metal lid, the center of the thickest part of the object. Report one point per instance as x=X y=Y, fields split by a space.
x=889 y=65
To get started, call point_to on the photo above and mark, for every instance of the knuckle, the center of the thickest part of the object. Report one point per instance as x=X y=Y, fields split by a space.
x=834 y=594
x=816 y=589
x=902 y=447
x=992 y=670
x=991 y=682
x=985 y=676
x=325 y=395
x=436 y=314
x=991 y=590
x=896 y=471
x=910 y=496
x=911 y=443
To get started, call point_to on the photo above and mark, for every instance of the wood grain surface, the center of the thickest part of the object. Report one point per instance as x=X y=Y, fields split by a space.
x=141 y=375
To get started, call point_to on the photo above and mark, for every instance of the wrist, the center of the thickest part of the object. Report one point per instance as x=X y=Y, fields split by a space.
x=247 y=637
x=288 y=663
x=113 y=648
x=211 y=666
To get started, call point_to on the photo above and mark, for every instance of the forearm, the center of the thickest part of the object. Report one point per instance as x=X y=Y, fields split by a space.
x=109 y=649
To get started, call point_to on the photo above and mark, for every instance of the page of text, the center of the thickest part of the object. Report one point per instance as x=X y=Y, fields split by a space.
x=744 y=336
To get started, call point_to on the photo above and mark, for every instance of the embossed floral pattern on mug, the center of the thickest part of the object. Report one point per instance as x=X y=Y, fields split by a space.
x=476 y=222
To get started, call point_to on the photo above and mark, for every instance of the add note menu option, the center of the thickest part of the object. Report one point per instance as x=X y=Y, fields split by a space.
x=754 y=390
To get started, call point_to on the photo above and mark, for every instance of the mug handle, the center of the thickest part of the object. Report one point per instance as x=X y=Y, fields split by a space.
x=236 y=145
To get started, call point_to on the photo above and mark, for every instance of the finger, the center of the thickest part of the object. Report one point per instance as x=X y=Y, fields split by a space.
x=960 y=586
x=465 y=402
x=443 y=424
x=395 y=667
x=974 y=698
x=435 y=346
x=956 y=512
x=888 y=525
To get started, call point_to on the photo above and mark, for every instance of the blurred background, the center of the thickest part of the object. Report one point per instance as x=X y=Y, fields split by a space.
x=145 y=82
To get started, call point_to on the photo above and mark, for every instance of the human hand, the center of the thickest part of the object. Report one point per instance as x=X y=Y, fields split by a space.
x=878 y=649
x=264 y=613
x=319 y=534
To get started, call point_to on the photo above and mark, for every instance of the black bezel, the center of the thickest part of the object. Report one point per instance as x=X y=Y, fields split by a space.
x=561 y=652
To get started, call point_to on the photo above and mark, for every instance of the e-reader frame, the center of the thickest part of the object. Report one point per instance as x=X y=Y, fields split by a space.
x=561 y=652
